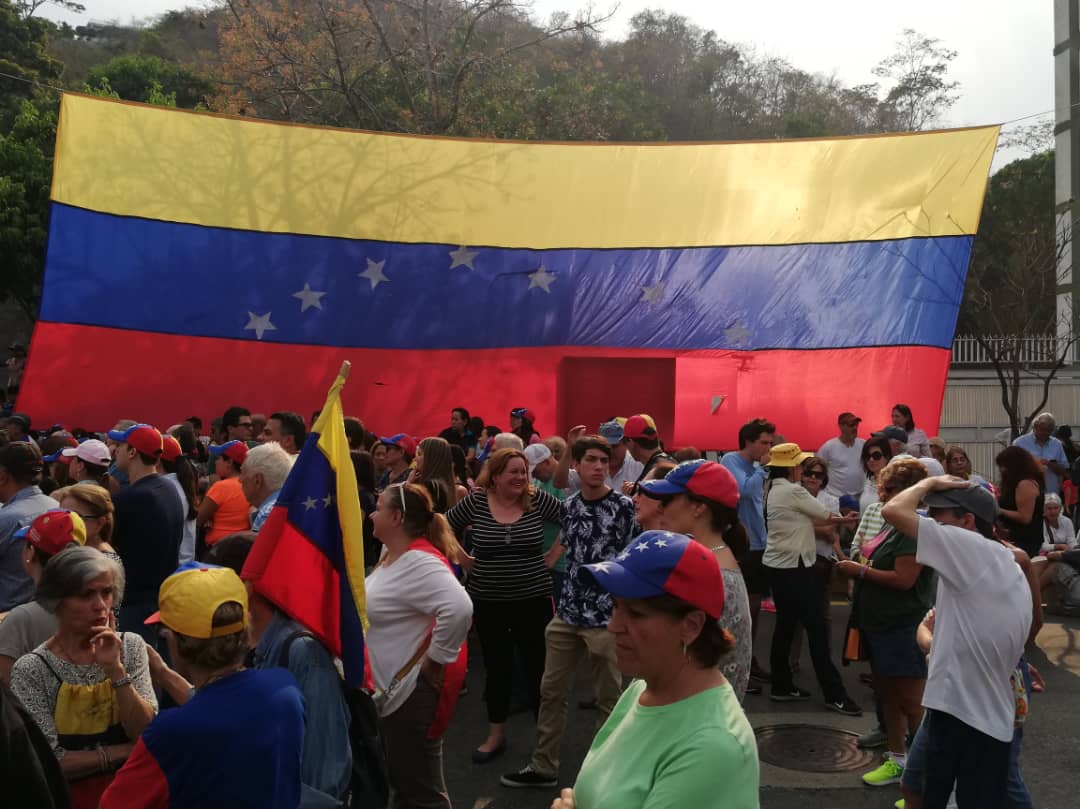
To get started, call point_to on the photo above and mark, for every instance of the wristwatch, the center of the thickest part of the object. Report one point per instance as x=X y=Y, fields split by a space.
x=125 y=680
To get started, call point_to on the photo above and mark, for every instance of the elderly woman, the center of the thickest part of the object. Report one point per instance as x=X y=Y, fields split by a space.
x=87 y=687
x=958 y=464
x=509 y=582
x=1058 y=531
x=678 y=736
x=791 y=514
x=892 y=594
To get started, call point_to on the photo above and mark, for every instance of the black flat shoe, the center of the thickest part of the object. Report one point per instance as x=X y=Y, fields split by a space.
x=481 y=757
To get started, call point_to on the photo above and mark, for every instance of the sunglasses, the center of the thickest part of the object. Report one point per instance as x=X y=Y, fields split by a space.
x=814 y=474
x=401 y=491
x=875 y=456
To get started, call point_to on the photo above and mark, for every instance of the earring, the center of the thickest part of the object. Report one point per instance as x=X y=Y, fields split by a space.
x=686 y=652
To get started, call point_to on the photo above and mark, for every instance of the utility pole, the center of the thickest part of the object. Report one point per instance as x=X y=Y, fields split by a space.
x=1067 y=161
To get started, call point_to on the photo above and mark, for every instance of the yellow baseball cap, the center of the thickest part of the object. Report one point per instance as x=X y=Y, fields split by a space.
x=788 y=455
x=189 y=598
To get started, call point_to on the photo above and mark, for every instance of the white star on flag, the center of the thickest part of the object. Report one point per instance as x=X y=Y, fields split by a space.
x=328 y=500
x=643 y=546
x=622 y=557
x=463 y=257
x=660 y=543
x=260 y=324
x=736 y=334
x=309 y=298
x=374 y=272
x=541 y=278
x=603 y=567
x=653 y=294
x=309 y=503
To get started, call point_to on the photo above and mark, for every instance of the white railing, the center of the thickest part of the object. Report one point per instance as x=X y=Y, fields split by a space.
x=1039 y=349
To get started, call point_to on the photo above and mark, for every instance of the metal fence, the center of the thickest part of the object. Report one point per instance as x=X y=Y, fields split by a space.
x=1039 y=349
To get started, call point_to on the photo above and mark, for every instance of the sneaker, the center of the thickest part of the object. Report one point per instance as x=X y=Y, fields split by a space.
x=848 y=707
x=888 y=773
x=767 y=605
x=796 y=694
x=527 y=777
x=874 y=738
x=899 y=804
x=754 y=689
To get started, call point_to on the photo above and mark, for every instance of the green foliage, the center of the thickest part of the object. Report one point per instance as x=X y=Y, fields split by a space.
x=25 y=174
x=152 y=80
x=23 y=53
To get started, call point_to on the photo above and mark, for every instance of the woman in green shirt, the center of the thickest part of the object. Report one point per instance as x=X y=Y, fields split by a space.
x=892 y=594
x=678 y=737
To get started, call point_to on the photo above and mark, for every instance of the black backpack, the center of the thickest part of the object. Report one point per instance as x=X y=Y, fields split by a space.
x=370 y=783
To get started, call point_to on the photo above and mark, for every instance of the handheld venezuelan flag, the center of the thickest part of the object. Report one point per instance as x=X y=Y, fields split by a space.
x=704 y=283
x=309 y=556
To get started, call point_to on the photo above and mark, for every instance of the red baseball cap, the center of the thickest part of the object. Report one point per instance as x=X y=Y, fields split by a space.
x=233 y=450
x=640 y=426
x=170 y=448
x=54 y=530
x=523 y=413
x=706 y=479
x=143 y=437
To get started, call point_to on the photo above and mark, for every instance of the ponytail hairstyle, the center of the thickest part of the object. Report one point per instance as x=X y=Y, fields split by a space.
x=438 y=472
x=725 y=520
x=184 y=467
x=419 y=518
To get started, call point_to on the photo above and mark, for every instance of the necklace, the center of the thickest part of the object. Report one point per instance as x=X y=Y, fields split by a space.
x=221 y=675
x=720 y=547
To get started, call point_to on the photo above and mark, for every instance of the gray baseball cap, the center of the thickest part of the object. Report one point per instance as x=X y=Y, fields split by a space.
x=974 y=499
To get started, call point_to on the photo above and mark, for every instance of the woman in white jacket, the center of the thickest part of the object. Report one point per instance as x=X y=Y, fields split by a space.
x=419 y=616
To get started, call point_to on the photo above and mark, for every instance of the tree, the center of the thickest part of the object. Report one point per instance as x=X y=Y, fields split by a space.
x=24 y=55
x=392 y=65
x=25 y=173
x=134 y=77
x=921 y=91
x=26 y=8
x=1012 y=283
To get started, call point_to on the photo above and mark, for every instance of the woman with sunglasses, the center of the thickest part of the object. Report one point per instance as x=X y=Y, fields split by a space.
x=648 y=505
x=508 y=581
x=876 y=454
x=892 y=594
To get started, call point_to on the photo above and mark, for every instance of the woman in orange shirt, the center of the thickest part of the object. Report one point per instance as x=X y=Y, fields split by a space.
x=225 y=510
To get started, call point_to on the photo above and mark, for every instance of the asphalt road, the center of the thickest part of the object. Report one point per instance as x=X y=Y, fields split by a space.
x=1050 y=762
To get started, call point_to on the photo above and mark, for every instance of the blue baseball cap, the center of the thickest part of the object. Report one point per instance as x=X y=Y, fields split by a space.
x=612 y=431
x=664 y=563
x=704 y=478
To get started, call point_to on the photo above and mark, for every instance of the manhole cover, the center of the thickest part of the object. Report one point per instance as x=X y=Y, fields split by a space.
x=810 y=748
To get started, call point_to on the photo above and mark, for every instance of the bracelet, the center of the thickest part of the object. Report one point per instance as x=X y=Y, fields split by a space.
x=125 y=680
x=108 y=764
x=101 y=759
x=862 y=573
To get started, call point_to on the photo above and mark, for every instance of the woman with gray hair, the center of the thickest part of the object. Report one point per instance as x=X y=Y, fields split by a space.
x=1058 y=531
x=87 y=687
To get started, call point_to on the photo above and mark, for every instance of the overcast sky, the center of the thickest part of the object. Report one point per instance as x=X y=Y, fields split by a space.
x=1005 y=63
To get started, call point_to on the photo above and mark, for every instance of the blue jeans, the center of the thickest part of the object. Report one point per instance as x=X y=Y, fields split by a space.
x=1016 y=792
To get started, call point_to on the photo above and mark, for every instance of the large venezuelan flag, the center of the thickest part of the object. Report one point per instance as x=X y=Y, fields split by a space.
x=198 y=261
x=309 y=555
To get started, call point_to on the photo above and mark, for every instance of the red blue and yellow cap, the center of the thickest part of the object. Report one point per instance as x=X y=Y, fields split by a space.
x=663 y=563
x=233 y=450
x=142 y=437
x=640 y=426
x=706 y=479
x=402 y=441
x=54 y=530
x=170 y=448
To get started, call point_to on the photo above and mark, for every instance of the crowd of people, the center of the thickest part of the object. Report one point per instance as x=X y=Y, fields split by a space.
x=143 y=671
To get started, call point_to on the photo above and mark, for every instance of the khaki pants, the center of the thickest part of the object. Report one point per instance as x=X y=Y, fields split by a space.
x=565 y=643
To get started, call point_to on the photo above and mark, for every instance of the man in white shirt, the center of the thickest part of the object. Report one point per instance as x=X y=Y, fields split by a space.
x=1048 y=451
x=843 y=455
x=982 y=619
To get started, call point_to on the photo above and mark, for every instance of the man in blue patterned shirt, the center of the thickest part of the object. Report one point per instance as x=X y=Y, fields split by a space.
x=597 y=524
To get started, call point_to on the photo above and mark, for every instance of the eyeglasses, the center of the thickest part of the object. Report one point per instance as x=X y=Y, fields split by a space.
x=814 y=474
x=875 y=456
x=90 y=516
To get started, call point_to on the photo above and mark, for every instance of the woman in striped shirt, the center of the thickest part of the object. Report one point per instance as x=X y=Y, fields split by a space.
x=508 y=581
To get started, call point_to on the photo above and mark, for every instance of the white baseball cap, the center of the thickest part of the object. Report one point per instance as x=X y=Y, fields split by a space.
x=536 y=454
x=90 y=451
